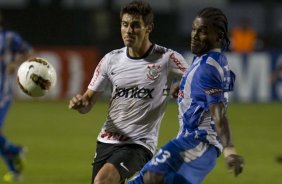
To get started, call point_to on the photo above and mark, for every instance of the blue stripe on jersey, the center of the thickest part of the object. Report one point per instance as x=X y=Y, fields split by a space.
x=192 y=116
x=204 y=83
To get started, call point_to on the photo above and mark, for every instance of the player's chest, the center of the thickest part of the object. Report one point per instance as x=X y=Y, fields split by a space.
x=137 y=73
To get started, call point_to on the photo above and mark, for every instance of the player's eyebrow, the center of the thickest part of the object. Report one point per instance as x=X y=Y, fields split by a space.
x=131 y=22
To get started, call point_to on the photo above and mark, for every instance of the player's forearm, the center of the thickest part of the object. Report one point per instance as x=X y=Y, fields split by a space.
x=224 y=134
x=223 y=131
x=218 y=113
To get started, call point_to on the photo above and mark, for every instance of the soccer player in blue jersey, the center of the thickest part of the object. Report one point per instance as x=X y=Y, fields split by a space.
x=13 y=50
x=204 y=129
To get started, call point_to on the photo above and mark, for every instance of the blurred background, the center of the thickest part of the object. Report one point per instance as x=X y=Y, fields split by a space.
x=75 y=34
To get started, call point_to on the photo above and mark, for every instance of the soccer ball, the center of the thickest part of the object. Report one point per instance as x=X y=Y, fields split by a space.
x=36 y=77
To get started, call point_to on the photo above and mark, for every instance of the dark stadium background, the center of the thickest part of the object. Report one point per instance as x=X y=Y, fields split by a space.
x=96 y=22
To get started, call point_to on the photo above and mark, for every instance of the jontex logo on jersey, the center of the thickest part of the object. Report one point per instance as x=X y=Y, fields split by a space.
x=153 y=71
x=133 y=92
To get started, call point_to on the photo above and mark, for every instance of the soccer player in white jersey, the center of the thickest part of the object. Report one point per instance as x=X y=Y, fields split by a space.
x=13 y=51
x=202 y=101
x=139 y=74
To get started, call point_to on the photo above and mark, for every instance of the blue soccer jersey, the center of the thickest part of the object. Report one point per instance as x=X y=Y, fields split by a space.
x=207 y=81
x=192 y=154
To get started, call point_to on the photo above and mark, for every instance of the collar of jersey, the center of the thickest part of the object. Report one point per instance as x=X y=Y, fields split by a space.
x=141 y=57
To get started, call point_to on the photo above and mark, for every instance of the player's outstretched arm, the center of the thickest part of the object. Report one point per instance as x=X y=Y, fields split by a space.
x=84 y=103
x=234 y=161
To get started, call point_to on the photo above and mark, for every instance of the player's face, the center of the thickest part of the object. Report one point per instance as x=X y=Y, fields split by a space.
x=203 y=37
x=134 y=32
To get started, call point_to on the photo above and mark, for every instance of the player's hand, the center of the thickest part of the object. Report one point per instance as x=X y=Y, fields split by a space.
x=175 y=92
x=174 y=89
x=235 y=163
x=78 y=102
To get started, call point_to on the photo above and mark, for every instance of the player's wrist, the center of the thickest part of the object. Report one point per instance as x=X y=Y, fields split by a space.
x=227 y=151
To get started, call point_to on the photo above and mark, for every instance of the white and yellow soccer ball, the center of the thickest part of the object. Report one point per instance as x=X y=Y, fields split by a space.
x=36 y=77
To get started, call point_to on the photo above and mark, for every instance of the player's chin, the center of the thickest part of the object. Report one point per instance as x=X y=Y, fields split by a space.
x=129 y=41
x=195 y=50
x=128 y=44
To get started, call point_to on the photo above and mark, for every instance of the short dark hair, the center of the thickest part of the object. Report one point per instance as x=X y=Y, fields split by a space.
x=219 y=20
x=139 y=7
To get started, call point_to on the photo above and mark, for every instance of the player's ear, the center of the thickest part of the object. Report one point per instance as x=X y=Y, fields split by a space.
x=220 y=36
x=150 y=28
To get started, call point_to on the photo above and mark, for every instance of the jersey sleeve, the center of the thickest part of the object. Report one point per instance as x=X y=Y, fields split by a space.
x=211 y=81
x=177 y=63
x=100 y=78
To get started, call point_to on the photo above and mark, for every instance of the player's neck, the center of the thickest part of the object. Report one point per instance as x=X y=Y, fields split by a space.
x=216 y=50
x=139 y=52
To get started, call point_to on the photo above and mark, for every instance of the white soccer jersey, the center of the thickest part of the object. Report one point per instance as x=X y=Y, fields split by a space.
x=140 y=92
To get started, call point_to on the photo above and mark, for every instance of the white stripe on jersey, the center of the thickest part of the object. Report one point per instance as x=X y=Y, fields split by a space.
x=212 y=62
x=188 y=100
x=194 y=153
x=206 y=124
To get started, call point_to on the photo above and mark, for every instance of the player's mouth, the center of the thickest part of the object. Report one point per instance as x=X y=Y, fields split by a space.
x=129 y=38
x=194 y=43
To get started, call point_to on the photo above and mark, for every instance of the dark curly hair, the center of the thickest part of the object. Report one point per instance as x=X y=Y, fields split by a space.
x=219 y=21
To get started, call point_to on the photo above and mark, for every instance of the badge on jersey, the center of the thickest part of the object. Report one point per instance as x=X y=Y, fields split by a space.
x=153 y=71
x=213 y=91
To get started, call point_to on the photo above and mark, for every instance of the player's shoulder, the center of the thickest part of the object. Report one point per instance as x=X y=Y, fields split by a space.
x=15 y=38
x=9 y=32
x=214 y=58
x=163 y=50
x=170 y=53
x=158 y=49
x=115 y=54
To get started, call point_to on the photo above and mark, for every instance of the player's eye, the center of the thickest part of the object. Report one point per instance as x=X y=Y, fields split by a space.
x=136 y=25
x=204 y=31
x=124 y=24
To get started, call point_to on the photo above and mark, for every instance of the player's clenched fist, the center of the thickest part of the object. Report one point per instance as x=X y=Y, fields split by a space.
x=235 y=162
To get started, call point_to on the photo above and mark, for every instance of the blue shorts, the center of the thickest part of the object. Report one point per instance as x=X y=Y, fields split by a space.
x=4 y=108
x=193 y=161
